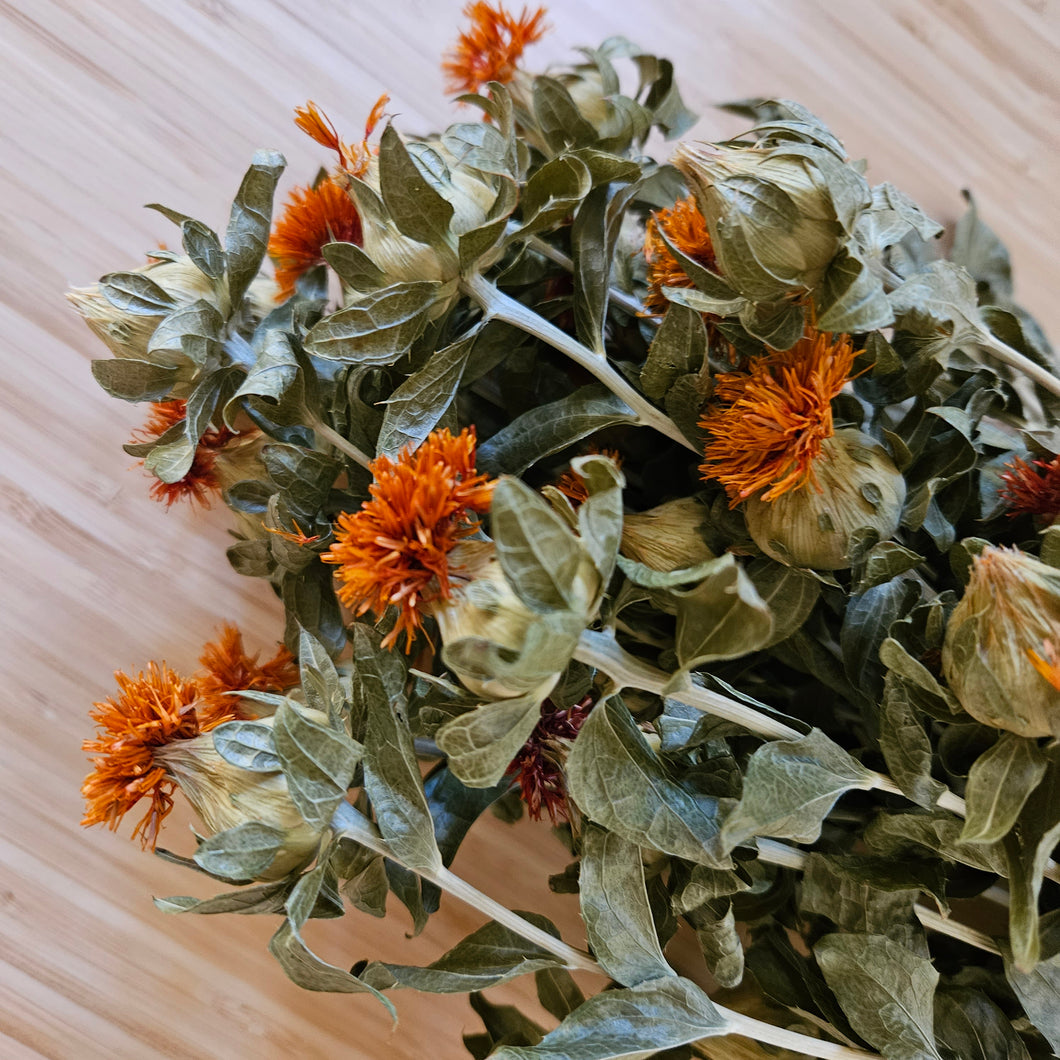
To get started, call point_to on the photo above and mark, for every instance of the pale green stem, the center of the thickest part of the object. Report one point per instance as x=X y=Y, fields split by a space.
x=602 y=651
x=342 y=444
x=628 y=302
x=1005 y=353
x=774 y=853
x=351 y=823
x=499 y=306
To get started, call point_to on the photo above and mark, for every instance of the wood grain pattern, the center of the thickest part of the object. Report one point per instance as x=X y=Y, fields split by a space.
x=107 y=104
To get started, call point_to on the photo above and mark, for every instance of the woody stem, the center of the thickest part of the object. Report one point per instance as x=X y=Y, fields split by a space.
x=499 y=306
x=351 y=823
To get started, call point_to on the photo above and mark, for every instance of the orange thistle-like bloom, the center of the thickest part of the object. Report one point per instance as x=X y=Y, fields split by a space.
x=1028 y=492
x=151 y=711
x=1049 y=667
x=572 y=485
x=769 y=421
x=684 y=226
x=312 y=218
x=200 y=481
x=395 y=550
x=491 y=48
x=228 y=668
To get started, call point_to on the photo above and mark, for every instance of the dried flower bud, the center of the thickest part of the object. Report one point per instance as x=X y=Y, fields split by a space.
x=484 y=613
x=771 y=212
x=1007 y=620
x=669 y=537
x=225 y=796
x=129 y=334
x=857 y=486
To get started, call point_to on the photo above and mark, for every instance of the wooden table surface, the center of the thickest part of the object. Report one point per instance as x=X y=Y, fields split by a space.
x=107 y=104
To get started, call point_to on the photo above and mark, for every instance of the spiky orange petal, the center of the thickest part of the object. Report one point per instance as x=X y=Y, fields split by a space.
x=572 y=485
x=684 y=226
x=227 y=667
x=394 y=550
x=490 y=49
x=1048 y=667
x=311 y=218
x=151 y=710
x=354 y=158
x=200 y=482
x=768 y=423
x=1028 y=491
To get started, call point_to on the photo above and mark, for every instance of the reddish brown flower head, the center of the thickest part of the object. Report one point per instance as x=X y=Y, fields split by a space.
x=684 y=226
x=491 y=48
x=395 y=550
x=767 y=423
x=312 y=218
x=151 y=710
x=572 y=485
x=1033 y=489
x=538 y=767
x=228 y=668
x=200 y=482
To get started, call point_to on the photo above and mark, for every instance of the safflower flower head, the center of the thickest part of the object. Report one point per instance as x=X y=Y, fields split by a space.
x=395 y=550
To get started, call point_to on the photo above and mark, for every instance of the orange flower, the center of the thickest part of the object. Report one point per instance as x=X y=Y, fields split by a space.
x=686 y=229
x=491 y=48
x=312 y=218
x=770 y=421
x=151 y=711
x=1028 y=492
x=1049 y=667
x=395 y=550
x=572 y=485
x=354 y=158
x=228 y=668
x=200 y=480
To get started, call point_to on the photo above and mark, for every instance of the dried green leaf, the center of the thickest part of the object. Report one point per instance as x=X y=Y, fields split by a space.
x=247 y=236
x=999 y=784
x=905 y=745
x=248 y=745
x=130 y=380
x=548 y=428
x=721 y=618
x=317 y=761
x=488 y=957
x=136 y=293
x=617 y=781
x=679 y=347
x=240 y=853
x=789 y=788
x=614 y=906
x=376 y=328
x=628 y=1024
x=886 y=991
x=969 y=1026
x=417 y=406
x=415 y=205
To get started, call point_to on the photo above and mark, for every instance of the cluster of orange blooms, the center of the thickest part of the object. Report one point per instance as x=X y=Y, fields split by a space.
x=765 y=424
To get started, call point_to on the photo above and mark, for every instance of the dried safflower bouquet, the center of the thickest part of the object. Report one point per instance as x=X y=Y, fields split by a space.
x=702 y=507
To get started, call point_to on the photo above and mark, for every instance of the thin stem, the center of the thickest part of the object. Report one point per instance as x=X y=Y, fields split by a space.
x=350 y=822
x=496 y=304
x=761 y=1031
x=1006 y=354
x=628 y=302
x=602 y=652
x=343 y=445
x=774 y=853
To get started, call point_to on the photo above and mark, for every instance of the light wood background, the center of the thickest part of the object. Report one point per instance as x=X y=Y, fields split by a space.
x=107 y=104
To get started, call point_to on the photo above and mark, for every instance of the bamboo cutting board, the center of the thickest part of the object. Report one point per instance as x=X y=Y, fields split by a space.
x=107 y=104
